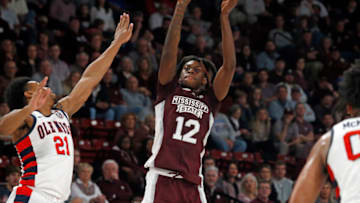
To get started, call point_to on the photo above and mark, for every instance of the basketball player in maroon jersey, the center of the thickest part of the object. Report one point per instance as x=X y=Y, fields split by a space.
x=336 y=155
x=188 y=96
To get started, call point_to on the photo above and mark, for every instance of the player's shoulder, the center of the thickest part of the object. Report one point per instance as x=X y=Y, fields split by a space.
x=348 y=124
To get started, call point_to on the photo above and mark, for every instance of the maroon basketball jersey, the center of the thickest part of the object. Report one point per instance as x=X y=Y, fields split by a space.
x=183 y=124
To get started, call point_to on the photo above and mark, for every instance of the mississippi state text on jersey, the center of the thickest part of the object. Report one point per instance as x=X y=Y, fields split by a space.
x=343 y=161
x=46 y=155
x=183 y=123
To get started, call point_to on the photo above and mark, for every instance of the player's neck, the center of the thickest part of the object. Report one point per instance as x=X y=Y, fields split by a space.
x=45 y=110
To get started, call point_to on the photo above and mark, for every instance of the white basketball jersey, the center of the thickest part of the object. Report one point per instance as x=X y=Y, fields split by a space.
x=47 y=155
x=344 y=159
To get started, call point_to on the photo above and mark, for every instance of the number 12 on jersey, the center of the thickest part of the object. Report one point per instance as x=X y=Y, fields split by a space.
x=188 y=137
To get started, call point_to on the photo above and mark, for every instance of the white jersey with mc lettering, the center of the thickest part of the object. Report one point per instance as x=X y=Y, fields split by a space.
x=46 y=155
x=343 y=161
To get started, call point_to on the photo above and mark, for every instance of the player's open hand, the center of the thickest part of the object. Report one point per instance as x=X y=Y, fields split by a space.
x=124 y=29
x=227 y=6
x=183 y=3
x=40 y=95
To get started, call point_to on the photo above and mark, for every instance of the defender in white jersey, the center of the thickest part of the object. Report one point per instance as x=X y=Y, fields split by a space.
x=42 y=135
x=337 y=153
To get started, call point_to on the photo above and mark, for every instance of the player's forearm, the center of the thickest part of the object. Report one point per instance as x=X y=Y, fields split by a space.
x=229 y=58
x=170 y=49
x=13 y=120
x=97 y=69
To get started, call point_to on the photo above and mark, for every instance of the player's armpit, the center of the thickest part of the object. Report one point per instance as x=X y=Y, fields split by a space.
x=312 y=176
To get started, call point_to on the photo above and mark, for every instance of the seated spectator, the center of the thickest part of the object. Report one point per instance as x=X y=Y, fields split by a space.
x=277 y=75
x=264 y=191
x=136 y=101
x=246 y=59
x=214 y=192
x=247 y=83
x=265 y=174
x=60 y=68
x=254 y=9
x=28 y=65
x=248 y=189
x=146 y=76
x=260 y=138
x=335 y=67
x=102 y=11
x=256 y=100
x=9 y=69
x=325 y=195
x=62 y=10
x=9 y=15
x=306 y=8
x=281 y=132
x=224 y=136
x=278 y=106
x=325 y=125
x=84 y=188
x=144 y=48
x=124 y=70
x=267 y=88
x=77 y=161
x=12 y=177
x=299 y=75
x=241 y=99
x=208 y=161
x=156 y=18
x=279 y=35
x=81 y=62
x=145 y=151
x=282 y=184
x=115 y=190
x=54 y=82
x=232 y=177
x=295 y=99
x=70 y=82
x=266 y=59
x=289 y=83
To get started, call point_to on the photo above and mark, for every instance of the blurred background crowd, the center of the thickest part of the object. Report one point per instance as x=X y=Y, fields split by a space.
x=290 y=58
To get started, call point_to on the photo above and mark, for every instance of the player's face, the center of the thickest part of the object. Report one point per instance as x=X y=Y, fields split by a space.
x=193 y=75
x=31 y=88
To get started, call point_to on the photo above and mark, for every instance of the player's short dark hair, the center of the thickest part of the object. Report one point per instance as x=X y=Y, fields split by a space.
x=14 y=93
x=210 y=66
x=350 y=87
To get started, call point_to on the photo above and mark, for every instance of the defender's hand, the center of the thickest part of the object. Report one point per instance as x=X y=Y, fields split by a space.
x=227 y=6
x=183 y=3
x=40 y=95
x=124 y=29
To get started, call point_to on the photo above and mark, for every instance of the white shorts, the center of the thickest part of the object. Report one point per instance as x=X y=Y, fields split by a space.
x=28 y=195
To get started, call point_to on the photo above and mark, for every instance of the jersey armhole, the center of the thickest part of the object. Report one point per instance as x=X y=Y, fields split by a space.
x=28 y=132
x=327 y=153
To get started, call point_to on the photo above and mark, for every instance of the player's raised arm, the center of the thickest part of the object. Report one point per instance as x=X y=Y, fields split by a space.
x=97 y=69
x=19 y=117
x=168 y=61
x=313 y=175
x=225 y=74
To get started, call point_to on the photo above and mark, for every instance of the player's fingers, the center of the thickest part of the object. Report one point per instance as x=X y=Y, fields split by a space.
x=122 y=20
x=131 y=27
x=127 y=20
x=43 y=82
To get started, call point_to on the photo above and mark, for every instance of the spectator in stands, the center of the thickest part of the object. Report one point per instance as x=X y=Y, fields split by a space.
x=156 y=19
x=208 y=161
x=306 y=8
x=71 y=81
x=295 y=99
x=277 y=75
x=267 y=89
x=325 y=49
x=146 y=76
x=81 y=62
x=130 y=170
x=115 y=190
x=144 y=49
x=195 y=18
x=8 y=14
x=248 y=190
x=12 y=177
x=83 y=15
x=223 y=134
x=213 y=191
x=60 y=68
x=54 y=82
x=137 y=102
x=341 y=36
x=289 y=83
x=246 y=83
x=266 y=59
x=232 y=177
x=260 y=139
x=125 y=70
x=325 y=125
x=77 y=161
x=265 y=174
x=299 y=75
x=325 y=195
x=264 y=192
x=335 y=67
x=241 y=98
x=43 y=46
x=102 y=11
x=325 y=106
x=84 y=188
x=282 y=184
x=246 y=59
x=28 y=65
x=20 y=7
x=281 y=132
x=8 y=51
x=62 y=10
x=279 y=35
x=9 y=70
x=254 y=9
x=256 y=100
x=278 y=106
x=145 y=151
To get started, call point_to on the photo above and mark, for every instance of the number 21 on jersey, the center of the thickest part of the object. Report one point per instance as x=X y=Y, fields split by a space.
x=352 y=144
x=188 y=137
x=59 y=145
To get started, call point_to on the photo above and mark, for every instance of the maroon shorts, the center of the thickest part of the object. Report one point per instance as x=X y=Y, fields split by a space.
x=162 y=189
